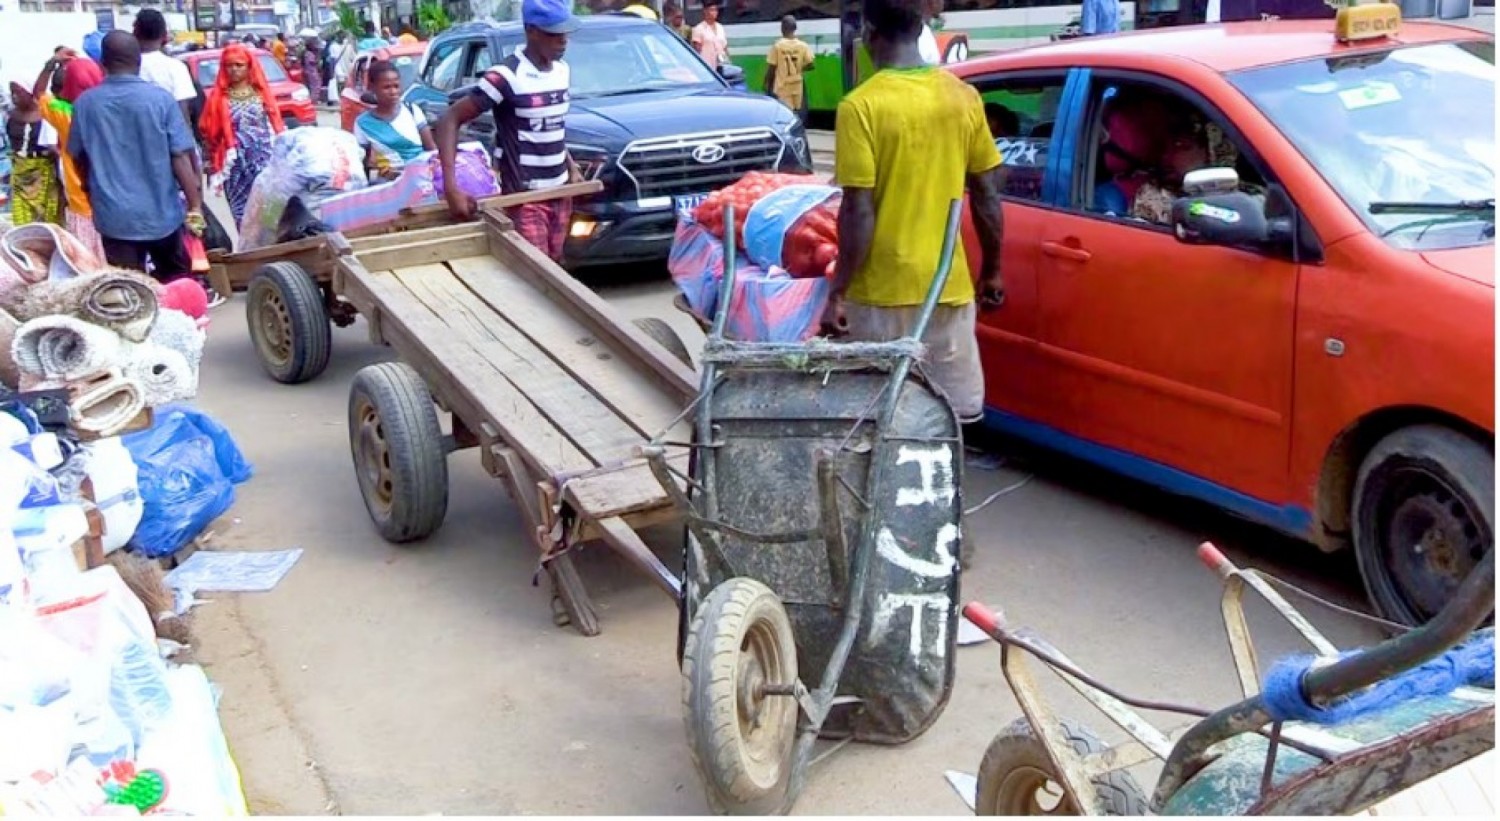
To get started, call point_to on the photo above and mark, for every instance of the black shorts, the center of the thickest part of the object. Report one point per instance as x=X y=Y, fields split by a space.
x=168 y=256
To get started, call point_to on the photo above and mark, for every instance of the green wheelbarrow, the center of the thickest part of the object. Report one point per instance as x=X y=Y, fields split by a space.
x=1331 y=734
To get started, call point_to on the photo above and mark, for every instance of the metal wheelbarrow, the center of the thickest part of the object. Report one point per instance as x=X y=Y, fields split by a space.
x=823 y=504
x=1332 y=734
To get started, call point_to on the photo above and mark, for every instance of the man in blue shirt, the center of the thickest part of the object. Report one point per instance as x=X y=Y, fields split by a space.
x=134 y=154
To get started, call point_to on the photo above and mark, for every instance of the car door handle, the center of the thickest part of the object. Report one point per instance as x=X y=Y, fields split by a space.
x=1066 y=251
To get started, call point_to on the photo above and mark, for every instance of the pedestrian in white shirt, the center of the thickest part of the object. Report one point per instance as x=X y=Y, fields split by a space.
x=159 y=69
x=709 y=37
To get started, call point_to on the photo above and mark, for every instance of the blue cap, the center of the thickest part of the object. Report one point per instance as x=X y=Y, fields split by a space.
x=551 y=16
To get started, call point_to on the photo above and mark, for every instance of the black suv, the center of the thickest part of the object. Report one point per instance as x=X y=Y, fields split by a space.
x=648 y=117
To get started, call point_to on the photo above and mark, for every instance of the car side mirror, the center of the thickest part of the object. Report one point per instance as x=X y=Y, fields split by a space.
x=368 y=98
x=1233 y=219
x=732 y=74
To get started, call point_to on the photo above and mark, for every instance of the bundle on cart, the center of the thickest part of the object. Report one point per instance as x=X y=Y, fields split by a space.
x=787 y=231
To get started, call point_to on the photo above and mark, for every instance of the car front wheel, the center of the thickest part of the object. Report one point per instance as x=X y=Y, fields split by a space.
x=1424 y=516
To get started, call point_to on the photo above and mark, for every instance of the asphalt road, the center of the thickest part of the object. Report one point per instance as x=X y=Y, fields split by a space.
x=429 y=678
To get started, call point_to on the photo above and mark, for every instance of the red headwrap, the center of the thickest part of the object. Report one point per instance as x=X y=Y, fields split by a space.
x=79 y=75
x=215 y=124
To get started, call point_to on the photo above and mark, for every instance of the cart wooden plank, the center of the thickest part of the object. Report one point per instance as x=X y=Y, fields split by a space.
x=522 y=258
x=576 y=412
x=377 y=242
x=629 y=489
x=422 y=251
x=574 y=345
x=471 y=386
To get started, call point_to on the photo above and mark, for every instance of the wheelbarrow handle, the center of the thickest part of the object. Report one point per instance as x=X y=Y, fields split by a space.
x=1215 y=560
x=983 y=618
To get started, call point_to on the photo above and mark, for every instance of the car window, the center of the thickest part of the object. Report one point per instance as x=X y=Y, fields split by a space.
x=1141 y=139
x=208 y=69
x=406 y=67
x=443 y=68
x=625 y=61
x=479 y=64
x=1405 y=136
x=1020 y=114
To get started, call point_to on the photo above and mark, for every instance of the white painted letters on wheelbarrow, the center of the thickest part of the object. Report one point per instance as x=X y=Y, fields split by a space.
x=936 y=467
x=935 y=487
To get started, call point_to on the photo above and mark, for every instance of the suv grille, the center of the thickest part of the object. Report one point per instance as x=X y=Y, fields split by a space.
x=674 y=166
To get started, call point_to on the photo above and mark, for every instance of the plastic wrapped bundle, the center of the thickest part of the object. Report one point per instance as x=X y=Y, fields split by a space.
x=768 y=305
x=471 y=168
x=311 y=164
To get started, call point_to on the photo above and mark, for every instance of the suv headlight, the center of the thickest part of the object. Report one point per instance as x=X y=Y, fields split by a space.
x=795 y=137
x=592 y=160
x=301 y=95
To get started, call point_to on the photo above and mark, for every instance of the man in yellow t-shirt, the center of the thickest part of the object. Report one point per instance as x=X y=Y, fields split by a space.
x=911 y=140
x=785 y=64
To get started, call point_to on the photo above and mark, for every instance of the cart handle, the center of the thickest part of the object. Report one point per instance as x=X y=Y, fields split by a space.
x=1215 y=560
x=983 y=618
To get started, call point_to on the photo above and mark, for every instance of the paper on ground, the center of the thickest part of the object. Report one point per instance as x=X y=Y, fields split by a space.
x=964 y=784
x=233 y=572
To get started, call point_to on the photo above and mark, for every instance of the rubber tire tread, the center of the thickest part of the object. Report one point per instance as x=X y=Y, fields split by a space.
x=419 y=463
x=1017 y=745
x=710 y=710
x=1469 y=465
x=312 y=333
x=662 y=334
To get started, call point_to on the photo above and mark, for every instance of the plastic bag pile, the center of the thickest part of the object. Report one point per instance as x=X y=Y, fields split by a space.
x=307 y=165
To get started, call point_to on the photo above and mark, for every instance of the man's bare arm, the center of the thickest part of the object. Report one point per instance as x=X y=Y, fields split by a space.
x=445 y=134
x=989 y=226
x=856 y=232
x=184 y=167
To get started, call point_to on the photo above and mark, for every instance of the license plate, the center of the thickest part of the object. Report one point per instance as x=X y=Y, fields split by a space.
x=685 y=205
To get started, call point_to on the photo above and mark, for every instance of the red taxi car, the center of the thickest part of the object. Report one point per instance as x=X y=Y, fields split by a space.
x=405 y=56
x=1322 y=362
x=292 y=99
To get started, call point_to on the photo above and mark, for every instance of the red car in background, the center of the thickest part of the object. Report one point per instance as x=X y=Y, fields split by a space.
x=407 y=57
x=292 y=99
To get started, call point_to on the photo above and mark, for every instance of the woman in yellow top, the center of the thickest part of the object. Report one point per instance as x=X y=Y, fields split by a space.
x=79 y=75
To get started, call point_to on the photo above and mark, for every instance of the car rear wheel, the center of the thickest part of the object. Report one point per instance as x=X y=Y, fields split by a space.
x=1424 y=516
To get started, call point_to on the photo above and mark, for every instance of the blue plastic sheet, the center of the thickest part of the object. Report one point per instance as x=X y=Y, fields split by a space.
x=189 y=465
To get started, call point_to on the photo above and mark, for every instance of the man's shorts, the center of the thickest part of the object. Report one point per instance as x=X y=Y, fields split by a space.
x=952 y=361
x=544 y=224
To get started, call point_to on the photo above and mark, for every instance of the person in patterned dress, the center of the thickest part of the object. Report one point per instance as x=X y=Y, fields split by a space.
x=239 y=122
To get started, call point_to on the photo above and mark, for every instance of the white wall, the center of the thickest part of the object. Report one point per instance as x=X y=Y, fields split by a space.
x=28 y=38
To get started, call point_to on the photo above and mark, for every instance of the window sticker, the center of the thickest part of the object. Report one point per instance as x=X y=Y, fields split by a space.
x=1369 y=94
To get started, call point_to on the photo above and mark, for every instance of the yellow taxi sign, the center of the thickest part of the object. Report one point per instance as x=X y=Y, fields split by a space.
x=1366 y=21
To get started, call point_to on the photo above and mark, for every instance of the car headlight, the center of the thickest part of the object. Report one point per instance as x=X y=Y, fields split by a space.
x=301 y=95
x=795 y=137
x=591 y=160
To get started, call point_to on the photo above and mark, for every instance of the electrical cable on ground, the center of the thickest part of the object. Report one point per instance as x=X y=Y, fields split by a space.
x=997 y=494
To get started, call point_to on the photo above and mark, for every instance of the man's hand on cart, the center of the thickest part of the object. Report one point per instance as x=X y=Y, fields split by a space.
x=460 y=204
x=195 y=222
x=835 y=323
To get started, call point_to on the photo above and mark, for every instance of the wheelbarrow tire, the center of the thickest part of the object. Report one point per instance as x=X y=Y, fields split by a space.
x=397 y=447
x=741 y=744
x=662 y=334
x=1016 y=767
x=288 y=323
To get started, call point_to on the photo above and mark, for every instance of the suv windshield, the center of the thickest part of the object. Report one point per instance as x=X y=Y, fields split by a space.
x=1406 y=136
x=612 y=61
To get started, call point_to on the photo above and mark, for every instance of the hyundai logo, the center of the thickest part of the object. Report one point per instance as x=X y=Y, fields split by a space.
x=708 y=153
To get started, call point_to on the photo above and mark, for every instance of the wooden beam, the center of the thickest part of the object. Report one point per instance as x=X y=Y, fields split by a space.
x=365 y=245
x=542 y=273
x=495 y=202
x=621 y=491
x=424 y=252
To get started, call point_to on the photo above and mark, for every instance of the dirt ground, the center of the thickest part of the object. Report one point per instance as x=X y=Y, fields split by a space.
x=429 y=678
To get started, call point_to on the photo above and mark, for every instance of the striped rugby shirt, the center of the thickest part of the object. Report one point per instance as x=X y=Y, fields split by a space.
x=529 y=106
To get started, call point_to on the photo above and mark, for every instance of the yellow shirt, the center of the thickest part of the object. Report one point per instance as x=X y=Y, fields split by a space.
x=790 y=57
x=278 y=50
x=59 y=115
x=914 y=136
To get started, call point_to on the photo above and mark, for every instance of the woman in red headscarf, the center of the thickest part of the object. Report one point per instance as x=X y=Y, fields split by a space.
x=238 y=124
x=79 y=74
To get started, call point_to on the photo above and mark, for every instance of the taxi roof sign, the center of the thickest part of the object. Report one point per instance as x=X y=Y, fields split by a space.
x=1366 y=20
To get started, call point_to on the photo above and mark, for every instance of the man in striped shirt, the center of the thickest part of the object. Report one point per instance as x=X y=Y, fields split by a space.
x=527 y=94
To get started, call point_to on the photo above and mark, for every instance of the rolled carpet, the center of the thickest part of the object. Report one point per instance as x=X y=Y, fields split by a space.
x=10 y=375
x=101 y=405
x=64 y=348
x=179 y=332
x=162 y=374
x=122 y=301
x=41 y=251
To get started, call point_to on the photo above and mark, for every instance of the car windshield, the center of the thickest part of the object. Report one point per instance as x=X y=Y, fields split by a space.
x=406 y=67
x=208 y=70
x=1406 y=136
x=606 y=62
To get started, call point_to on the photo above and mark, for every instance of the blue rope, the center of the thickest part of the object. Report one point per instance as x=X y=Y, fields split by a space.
x=1471 y=663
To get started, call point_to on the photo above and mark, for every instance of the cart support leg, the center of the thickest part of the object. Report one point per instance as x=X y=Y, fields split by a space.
x=567 y=586
x=627 y=543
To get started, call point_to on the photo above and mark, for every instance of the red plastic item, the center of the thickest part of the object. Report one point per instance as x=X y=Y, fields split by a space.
x=1214 y=559
x=982 y=617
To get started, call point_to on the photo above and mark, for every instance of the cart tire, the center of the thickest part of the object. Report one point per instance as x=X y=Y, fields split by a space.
x=288 y=323
x=1016 y=772
x=1424 y=516
x=662 y=334
x=398 y=454
x=739 y=638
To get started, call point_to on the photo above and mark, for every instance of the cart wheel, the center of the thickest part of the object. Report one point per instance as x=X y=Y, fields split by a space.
x=662 y=334
x=398 y=451
x=741 y=739
x=1016 y=776
x=288 y=322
